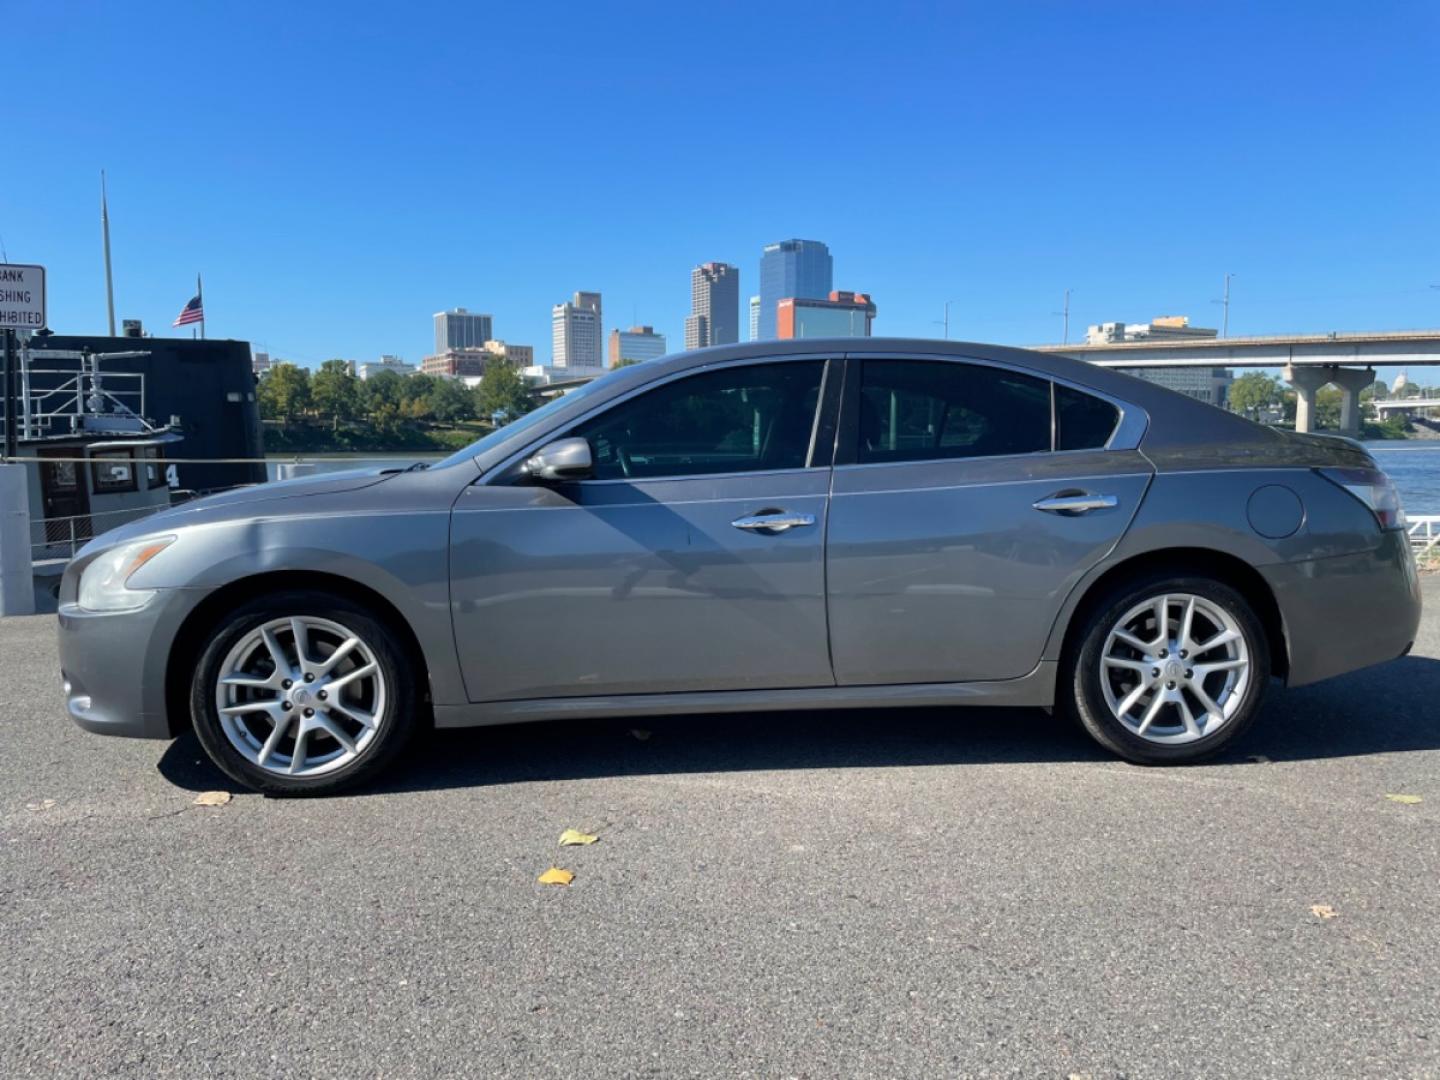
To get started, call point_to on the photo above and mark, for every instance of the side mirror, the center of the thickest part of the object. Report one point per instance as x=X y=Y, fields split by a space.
x=565 y=459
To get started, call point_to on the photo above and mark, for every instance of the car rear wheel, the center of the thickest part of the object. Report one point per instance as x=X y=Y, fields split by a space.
x=303 y=693
x=1169 y=669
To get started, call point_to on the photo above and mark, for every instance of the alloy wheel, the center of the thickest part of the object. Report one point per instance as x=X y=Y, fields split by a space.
x=1175 y=668
x=301 y=696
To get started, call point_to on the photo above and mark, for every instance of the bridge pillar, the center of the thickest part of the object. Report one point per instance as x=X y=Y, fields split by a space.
x=1307 y=381
x=1351 y=381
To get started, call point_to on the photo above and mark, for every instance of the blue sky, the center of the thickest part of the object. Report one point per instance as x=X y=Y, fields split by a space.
x=339 y=176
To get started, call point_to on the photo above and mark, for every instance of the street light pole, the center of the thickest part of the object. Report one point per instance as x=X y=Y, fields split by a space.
x=1066 y=314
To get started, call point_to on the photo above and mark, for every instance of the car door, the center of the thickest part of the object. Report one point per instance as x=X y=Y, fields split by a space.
x=691 y=560
x=968 y=499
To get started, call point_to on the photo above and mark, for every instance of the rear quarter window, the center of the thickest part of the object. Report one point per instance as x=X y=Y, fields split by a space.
x=1082 y=421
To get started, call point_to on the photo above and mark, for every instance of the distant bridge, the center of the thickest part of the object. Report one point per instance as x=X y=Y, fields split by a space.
x=1413 y=404
x=1308 y=361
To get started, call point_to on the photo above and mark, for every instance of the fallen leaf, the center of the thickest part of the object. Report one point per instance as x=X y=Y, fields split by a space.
x=1323 y=911
x=44 y=804
x=212 y=798
x=640 y=733
x=573 y=837
x=1408 y=800
x=556 y=876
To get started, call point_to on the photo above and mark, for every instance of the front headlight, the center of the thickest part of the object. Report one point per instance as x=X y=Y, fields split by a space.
x=103 y=584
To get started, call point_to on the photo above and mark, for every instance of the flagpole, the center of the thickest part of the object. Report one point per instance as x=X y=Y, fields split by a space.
x=201 y=294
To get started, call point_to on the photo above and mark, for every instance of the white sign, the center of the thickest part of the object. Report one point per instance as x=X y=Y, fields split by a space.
x=22 y=297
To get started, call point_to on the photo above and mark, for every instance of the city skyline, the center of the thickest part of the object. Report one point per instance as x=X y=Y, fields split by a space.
x=1058 y=177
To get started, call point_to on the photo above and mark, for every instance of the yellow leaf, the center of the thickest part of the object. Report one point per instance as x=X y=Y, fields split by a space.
x=1408 y=800
x=572 y=837
x=212 y=798
x=1323 y=911
x=556 y=876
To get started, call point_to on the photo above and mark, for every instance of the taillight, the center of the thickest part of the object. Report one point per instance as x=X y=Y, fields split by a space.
x=1373 y=488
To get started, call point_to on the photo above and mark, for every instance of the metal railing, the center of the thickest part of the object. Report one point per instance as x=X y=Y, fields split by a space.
x=61 y=537
x=1424 y=531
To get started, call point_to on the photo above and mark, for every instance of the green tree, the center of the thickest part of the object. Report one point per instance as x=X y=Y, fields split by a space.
x=625 y=362
x=502 y=393
x=449 y=400
x=384 y=399
x=1327 y=407
x=284 y=392
x=335 y=392
x=1254 y=391
x=417 y=390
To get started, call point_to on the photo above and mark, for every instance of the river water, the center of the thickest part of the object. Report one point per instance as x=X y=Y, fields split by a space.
x=1414 y=465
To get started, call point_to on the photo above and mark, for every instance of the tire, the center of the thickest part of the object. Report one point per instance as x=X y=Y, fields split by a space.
x=1183 y=679
x=344 y=736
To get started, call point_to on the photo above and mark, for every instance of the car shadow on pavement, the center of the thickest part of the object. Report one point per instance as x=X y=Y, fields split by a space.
x=1391 y=708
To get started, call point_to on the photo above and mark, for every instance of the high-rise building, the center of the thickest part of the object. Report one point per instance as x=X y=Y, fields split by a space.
x=754 y=318
x=575 y=329
x=638 y=343
x=461 y=329
x=798 y=269
x=714 y=306
x=841 y=314
x=260 y=362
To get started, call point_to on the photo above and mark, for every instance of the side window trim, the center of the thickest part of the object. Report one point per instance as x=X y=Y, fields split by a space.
x=1130 y=425
x=507 y=471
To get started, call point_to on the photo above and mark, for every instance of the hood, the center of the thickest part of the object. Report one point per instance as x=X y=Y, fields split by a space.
x=244 y=500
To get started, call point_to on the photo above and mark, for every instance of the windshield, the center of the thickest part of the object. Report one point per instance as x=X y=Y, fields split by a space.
x=529 y=420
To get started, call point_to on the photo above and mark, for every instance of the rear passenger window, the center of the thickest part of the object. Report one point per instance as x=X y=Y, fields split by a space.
x=922 y=410
x=1082 y=422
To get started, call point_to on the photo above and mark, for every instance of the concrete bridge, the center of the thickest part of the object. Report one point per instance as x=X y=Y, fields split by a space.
x=1306 y=361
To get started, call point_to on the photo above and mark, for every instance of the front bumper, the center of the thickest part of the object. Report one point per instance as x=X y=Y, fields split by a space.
x=113 y=665
x=1349 y=611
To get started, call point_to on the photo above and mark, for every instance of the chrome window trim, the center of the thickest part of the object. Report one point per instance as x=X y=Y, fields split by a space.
x=1098 y=477
x=502 y=473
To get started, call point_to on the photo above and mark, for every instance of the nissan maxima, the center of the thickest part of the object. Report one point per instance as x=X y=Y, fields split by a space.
x=817 y=524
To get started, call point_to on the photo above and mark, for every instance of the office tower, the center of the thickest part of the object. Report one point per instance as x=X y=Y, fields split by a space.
x=575 y=328
x=754 y=318
x=461 y=329
x=714 y=306
x=798 y=269
x=841 y=314
x=638 y=343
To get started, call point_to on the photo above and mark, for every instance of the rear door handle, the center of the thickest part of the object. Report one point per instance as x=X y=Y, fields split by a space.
x=773 y=521
x=1081 y=502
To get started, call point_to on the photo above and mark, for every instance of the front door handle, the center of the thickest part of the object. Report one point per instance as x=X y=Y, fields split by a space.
x=773 y=521
x=1080 y=502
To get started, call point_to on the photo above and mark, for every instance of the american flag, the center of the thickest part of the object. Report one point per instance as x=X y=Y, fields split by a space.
x=191 y=313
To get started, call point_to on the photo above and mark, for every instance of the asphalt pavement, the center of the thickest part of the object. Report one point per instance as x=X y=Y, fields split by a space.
x=888 y=893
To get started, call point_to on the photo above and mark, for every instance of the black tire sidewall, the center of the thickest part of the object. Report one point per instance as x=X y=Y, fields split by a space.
x=1087 y=698
x=396 y=729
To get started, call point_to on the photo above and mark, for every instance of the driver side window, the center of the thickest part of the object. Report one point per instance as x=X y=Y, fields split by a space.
x=751 y=418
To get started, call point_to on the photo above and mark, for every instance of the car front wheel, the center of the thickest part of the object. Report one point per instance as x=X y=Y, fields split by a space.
x=1169 y=669
x=302 y=694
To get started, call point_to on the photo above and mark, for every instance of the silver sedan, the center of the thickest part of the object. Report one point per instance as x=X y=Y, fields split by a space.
x=816 y=524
